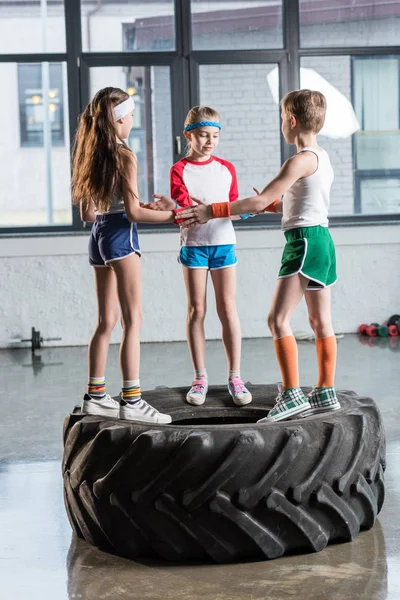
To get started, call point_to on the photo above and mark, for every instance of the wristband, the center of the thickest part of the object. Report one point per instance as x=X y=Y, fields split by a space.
x=176 y=211
x=271 y=207
x=221 y=210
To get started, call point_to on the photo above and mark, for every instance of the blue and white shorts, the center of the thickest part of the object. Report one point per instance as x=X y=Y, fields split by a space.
x=208 y=257
x=112 y=237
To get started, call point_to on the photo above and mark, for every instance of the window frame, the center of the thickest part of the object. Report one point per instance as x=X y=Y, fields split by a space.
x=184 y=63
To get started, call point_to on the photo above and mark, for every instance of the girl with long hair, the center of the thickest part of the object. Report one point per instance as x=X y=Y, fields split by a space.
x=104 y=184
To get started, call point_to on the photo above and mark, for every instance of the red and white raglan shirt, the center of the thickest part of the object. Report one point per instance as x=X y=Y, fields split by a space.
x=211 y=181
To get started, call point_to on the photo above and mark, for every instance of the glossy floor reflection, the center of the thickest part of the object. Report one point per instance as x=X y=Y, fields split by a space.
x=41 y=560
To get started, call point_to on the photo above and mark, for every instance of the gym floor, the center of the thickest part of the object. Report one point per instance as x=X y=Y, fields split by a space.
x=40 y=559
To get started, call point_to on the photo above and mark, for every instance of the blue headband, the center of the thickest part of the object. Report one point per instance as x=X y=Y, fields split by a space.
x=203 y=124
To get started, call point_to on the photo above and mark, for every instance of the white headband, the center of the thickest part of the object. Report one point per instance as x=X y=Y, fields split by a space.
x=123 y=109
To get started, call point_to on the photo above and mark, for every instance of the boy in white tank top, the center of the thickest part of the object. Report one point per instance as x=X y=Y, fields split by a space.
x=308 y=263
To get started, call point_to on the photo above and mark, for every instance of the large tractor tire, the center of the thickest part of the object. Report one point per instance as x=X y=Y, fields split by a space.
x=215 y=484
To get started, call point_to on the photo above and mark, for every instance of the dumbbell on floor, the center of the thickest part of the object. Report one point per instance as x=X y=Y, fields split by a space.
x=377 y=330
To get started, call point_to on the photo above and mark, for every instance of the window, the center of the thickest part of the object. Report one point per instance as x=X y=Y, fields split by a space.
x=34 y=171
x=376 y=85
x=232 y=25
x=32 y=26
x=37 y=101
x=133 y=25
x=346 y=23
x=239 y=56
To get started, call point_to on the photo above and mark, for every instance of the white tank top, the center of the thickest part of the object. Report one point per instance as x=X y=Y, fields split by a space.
x=306 y=203
x=117 y=204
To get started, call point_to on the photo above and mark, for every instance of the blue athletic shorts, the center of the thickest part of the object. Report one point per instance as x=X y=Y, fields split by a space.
x=208 y=257
x=112 y=237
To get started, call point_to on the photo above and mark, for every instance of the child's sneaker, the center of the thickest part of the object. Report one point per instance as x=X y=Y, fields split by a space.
x=198 y=392
x=289 y=403
x=105 y=407
x=321 y=400
x=239 y=392
x=142 y=411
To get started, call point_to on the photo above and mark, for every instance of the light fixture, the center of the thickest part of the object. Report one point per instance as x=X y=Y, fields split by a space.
x=131 y=91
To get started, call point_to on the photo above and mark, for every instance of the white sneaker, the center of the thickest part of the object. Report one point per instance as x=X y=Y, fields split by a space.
x=106 y=407
x=142 y=411
x=198 y=392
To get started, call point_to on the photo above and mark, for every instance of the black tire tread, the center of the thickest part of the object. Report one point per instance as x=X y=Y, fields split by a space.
x=224 y=492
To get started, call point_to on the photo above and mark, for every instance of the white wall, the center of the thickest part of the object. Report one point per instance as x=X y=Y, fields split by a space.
x=47 y=283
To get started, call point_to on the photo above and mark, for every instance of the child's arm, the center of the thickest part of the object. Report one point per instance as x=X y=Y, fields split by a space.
x=130 y=193
x=275 y=207
x=296 y=167
x=178 y=189
x=87 y=212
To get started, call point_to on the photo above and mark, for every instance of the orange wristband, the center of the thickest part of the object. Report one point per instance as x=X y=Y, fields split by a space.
x=221 y=210
x=271 y=207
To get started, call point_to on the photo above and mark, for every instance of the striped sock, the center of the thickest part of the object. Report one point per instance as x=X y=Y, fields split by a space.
x=131 y=391
x=97 y=387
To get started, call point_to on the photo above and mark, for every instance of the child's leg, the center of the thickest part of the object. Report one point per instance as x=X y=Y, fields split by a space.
x=288 y=293
x=291 y=400
x=107 y=306
x=224 y=282
x=323 y=396
x=319 y=314
x=96 y=401
x=128 y=272
x=196 y=291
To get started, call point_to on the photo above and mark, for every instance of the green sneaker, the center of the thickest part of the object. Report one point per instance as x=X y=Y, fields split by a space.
x=321 y=400
x=289 y=403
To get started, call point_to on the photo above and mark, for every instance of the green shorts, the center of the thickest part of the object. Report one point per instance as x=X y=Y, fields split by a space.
x=310 y=251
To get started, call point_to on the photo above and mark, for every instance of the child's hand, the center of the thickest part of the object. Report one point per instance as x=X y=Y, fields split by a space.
x=195 y=215
x=163 y=203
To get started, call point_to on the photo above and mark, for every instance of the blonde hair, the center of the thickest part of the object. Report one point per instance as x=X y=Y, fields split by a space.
x=199 y=113
x=308 y=106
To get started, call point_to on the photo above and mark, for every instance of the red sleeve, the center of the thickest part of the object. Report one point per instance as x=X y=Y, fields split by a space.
x=233 y=191
x=178 y=190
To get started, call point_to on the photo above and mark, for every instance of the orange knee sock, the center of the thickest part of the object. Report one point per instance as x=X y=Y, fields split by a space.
x=326 y=355
x=286 y=353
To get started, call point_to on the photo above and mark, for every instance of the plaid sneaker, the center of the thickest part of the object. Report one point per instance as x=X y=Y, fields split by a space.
x=321 y=400
x=197 y=393
x=289 y=403
x=239 y=392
